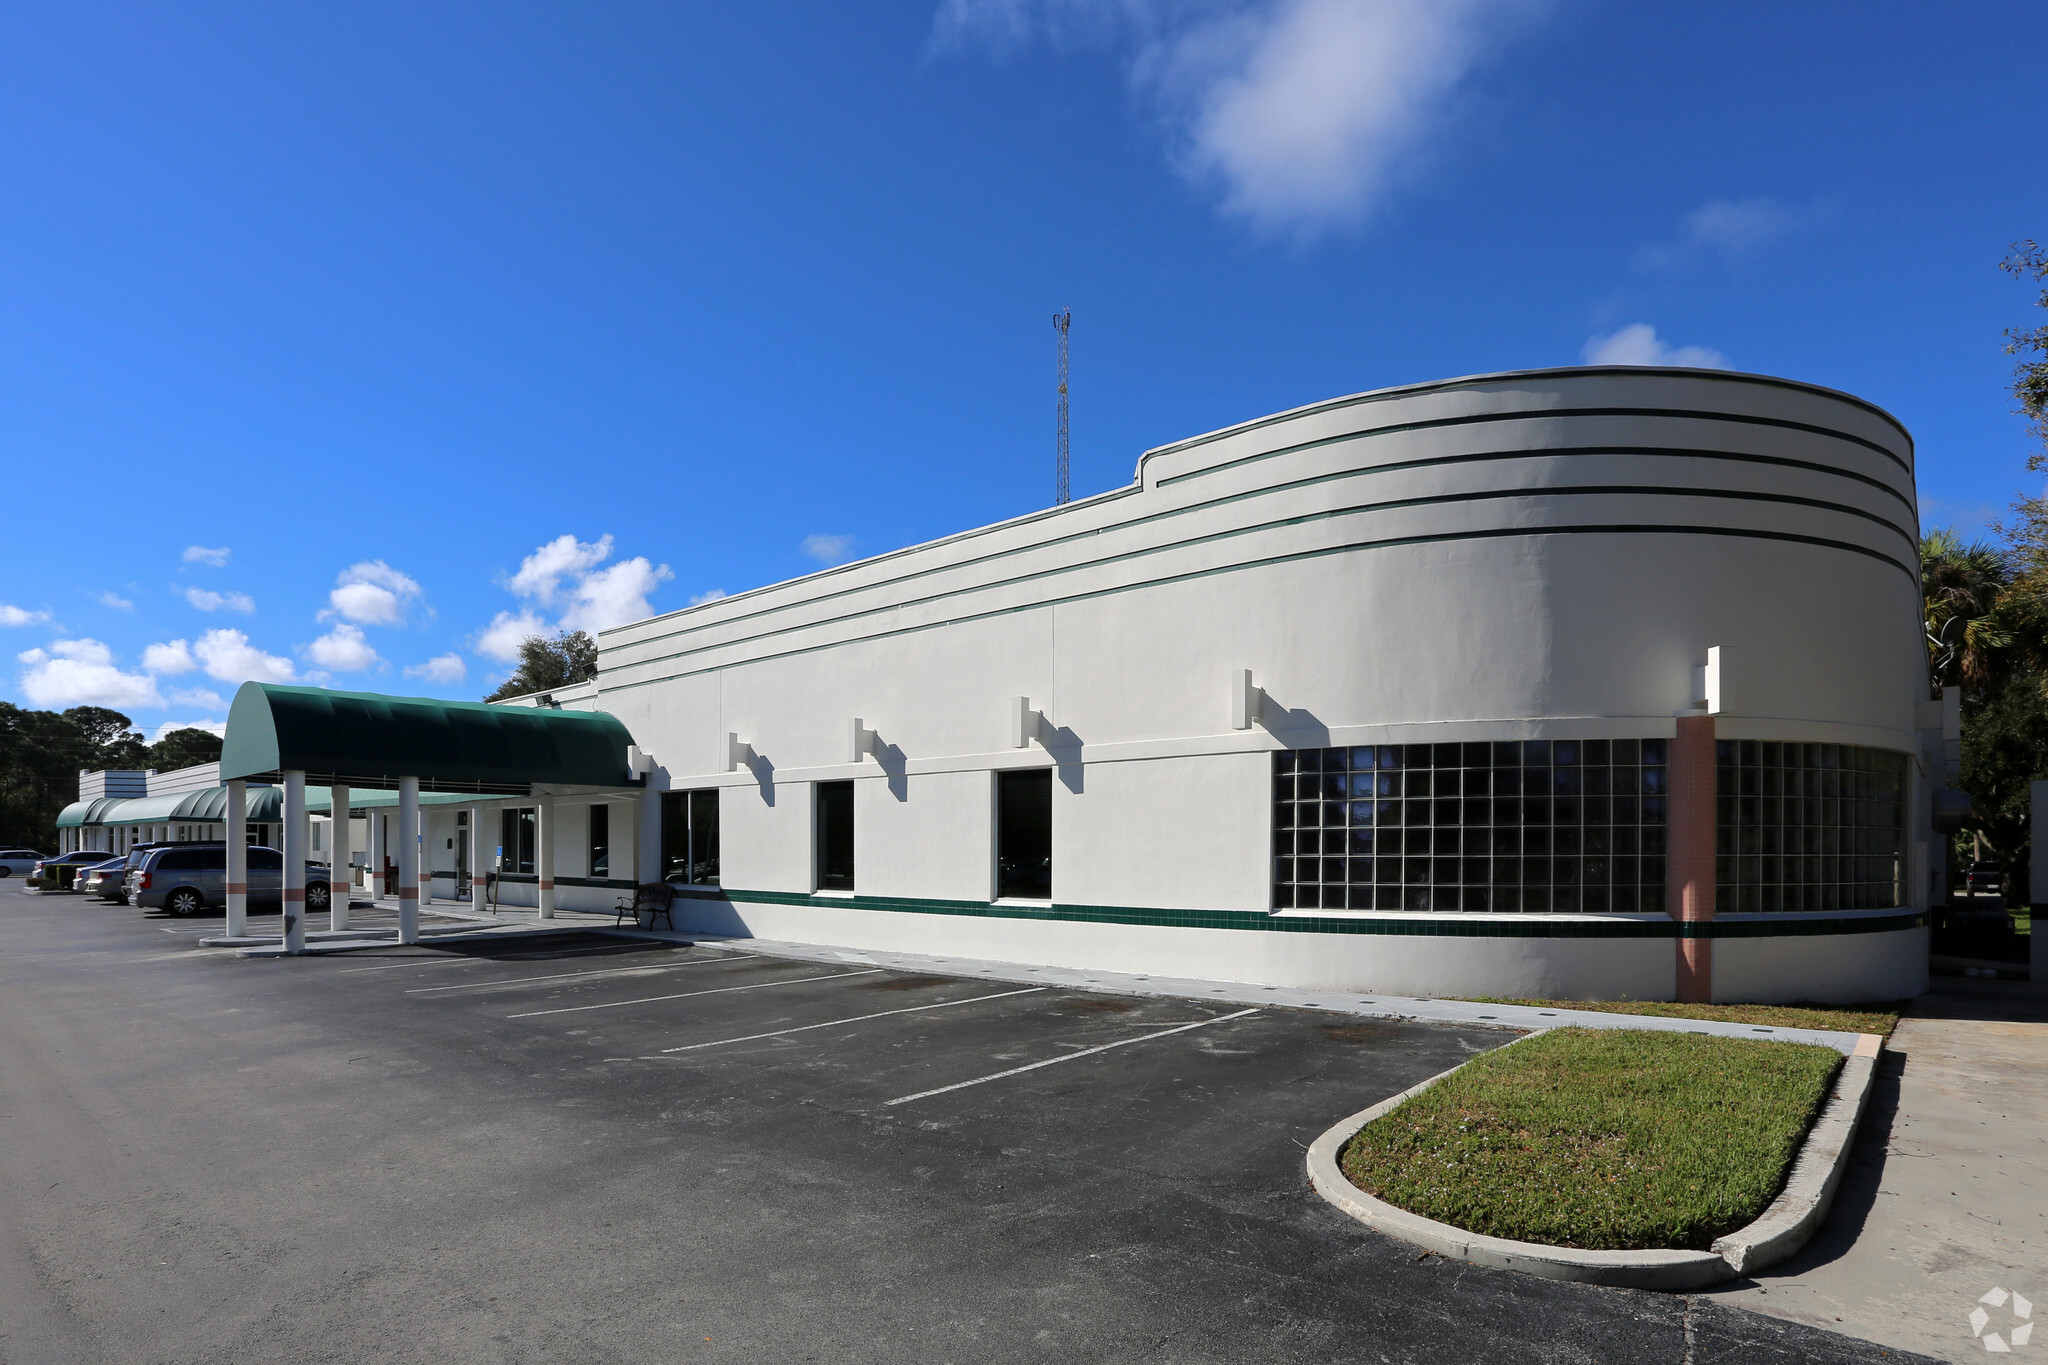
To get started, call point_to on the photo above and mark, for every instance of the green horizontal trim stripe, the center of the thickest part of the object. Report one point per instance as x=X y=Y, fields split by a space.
x=1500 y=533
x=1477 y=418
x=1208 y=504
x=1258 y=921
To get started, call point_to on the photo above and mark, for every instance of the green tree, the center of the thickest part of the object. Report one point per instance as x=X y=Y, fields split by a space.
x=1962 y=587
x=547 y=663
x=41 y=755
x=183 y=748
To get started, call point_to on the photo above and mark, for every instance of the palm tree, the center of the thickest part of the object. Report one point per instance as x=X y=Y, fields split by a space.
x=1962 y=585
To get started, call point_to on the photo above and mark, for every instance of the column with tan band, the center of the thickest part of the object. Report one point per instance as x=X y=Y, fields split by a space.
x=1690 y=860
x=407 y=836
x=544 y=854
x=293 y=831
x=337 y=856
x=238 y=858
x=479 y=866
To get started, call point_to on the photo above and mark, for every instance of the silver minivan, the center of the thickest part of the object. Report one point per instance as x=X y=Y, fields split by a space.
x=188 y=878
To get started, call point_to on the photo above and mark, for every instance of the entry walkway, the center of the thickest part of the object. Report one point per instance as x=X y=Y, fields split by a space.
x=1946 y=1197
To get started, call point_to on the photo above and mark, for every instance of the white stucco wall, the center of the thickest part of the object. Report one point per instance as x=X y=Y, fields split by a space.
x=1540 y=555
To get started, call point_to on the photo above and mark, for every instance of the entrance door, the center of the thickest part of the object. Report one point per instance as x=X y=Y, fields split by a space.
x=462 y=855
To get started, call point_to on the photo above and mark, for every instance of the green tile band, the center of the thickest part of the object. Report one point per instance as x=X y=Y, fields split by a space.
x=1791 y=925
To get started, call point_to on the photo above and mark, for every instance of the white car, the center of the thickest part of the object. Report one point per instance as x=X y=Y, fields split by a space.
x=18 y=862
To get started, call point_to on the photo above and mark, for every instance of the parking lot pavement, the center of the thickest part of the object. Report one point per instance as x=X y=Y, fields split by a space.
x=587 y=1149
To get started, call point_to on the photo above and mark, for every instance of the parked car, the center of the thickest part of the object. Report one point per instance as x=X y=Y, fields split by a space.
x=1985 y=878
x=188 y=878
x=16 y=862
x=106 y=880
x=55 y=874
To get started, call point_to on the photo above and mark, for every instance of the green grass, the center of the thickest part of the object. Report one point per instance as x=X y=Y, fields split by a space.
x=1600 y=1138
x=1878 y=1017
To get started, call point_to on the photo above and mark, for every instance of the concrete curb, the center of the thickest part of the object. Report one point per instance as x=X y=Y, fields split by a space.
x=1795 y=1215
x=1782 y=1229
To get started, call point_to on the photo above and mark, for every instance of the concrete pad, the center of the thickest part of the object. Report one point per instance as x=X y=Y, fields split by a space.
x=1946 y=1199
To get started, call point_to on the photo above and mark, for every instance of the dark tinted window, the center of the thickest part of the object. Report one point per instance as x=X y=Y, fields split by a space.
x=835 y=836
x=265 y=860
x=192 y=860
x=1024 y=834
x=689 y=837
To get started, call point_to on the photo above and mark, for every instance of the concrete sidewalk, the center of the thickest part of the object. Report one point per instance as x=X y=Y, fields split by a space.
x=1946 y=1196
x=1374 y=1006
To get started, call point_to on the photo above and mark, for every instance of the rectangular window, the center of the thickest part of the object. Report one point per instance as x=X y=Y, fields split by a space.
x=835 y=836
x=689 y=837
x=1569 y=825
x=600 y=841
x=515 y=838
x=1024 y=834
x=1809 y=827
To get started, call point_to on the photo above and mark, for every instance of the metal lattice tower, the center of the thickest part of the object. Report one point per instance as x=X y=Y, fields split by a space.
x=1059 y=322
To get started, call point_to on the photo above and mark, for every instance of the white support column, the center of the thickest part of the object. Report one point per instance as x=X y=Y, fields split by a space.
x=408 y=837
x=479 y=865
x=544 y=854
x=337 y=858
x=294 y=832
x=238 y=858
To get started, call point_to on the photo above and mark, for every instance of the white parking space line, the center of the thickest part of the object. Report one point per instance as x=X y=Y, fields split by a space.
x=420 y=962
x=834 y=1023
x=1070 y=1057
x=564 y=976
x=715 y=990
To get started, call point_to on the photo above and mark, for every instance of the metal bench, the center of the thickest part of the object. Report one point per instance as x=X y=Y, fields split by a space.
x=656 y=900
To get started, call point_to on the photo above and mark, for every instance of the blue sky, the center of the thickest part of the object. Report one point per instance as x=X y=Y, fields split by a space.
x=345 y=342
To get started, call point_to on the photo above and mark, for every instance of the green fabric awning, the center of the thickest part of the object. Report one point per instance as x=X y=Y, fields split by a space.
x=369 y=740
x=209 y=805
x=265 y=806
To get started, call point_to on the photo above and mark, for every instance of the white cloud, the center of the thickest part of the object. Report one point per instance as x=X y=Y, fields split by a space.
x=216 y=727
x=540 y=573
x=373 y=594
x=200 y=696
x=220 y=601
x=21 y=616
x=708 y=595
x=1729 y=229
x=174 y=656
x=827 y=549
x=446 y=669
x=1637 y=344
x=344 y=650
x=614 y=596
x=563 y=573
x=501 y=638
x=199 y=554
x=114 y=600
x=228 y=656
x=1301 y=112
x=82 y=673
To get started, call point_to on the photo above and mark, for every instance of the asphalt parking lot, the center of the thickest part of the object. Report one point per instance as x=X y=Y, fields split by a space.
x=591 y=1149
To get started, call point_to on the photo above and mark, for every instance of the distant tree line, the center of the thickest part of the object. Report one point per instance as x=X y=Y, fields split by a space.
x=42 y=752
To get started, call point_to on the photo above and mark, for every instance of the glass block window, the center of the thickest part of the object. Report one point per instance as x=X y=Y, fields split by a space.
x=1808 y=827
x=1520 y=825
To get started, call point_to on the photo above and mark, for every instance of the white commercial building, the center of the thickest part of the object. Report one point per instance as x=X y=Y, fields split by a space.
x=1593 y=682
x=1602 y=682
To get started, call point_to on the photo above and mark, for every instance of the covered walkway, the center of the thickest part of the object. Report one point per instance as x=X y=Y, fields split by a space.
x=365 y=752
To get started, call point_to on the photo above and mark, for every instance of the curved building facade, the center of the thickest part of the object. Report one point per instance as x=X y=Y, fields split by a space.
x=1589 y=682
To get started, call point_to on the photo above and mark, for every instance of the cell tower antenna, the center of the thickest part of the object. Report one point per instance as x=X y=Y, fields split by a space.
x=1061 y=493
